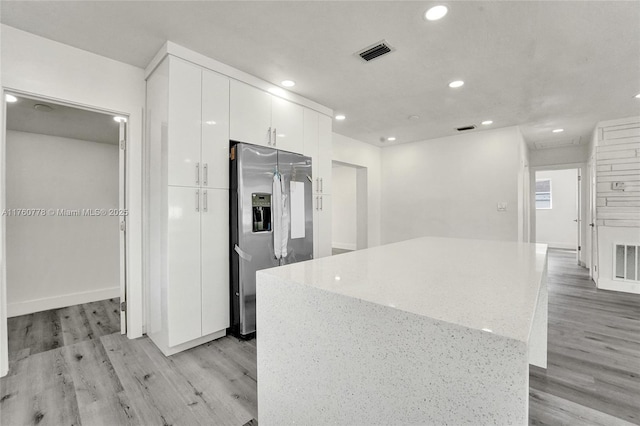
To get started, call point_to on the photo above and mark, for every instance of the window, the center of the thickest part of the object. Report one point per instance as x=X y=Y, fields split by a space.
x=543 y=194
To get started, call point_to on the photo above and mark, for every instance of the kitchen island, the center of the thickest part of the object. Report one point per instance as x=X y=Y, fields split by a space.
x=425 y=331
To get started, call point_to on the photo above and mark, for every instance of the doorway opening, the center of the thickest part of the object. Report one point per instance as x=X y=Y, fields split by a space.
x=65 y=220
x=557 y=208
x=349 y=209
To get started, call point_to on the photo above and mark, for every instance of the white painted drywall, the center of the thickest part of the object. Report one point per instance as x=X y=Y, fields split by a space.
x=559 y=156
x=55 y=261
x=4 y=343
x=47 y=68
x=451 y=186
x=355 y=152
x=344 y=232
x=556 y=226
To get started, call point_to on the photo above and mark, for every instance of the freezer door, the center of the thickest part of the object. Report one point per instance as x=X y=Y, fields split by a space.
x=252 y=232
x=295 y=170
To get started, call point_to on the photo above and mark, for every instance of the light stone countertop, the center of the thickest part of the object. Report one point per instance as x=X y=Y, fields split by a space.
x=479 y=284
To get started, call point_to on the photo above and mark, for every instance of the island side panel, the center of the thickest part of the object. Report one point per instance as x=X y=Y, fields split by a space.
x=538 y=335
x=324 y=359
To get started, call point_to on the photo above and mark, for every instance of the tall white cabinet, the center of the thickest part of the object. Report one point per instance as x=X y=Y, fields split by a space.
x=188 y=141
x=317 y=145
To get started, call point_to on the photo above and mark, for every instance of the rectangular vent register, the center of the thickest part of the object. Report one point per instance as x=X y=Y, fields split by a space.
x=626 y=262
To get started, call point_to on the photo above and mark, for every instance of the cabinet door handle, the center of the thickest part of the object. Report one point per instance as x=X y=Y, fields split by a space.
x=321 y=185
x=205 y=172
x=197 y=200
x=317 y=203
x=269 y=132
x=275 y=137
x=205 y=201
x=317 y=184
x=321 y=204
x=197 y=173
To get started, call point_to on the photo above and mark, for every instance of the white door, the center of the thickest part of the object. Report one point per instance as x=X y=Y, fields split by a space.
x=122 y=206
x=325 y=154
x=215 y=260
x=250 y=114
x=593 y=229
x=287 y=122
x=579 y=216
x=215 y=130
x=183 y=264
x=184 y=132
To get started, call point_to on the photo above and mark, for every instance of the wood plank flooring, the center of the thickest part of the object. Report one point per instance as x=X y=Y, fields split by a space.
x=593 y=374
x=72 y=367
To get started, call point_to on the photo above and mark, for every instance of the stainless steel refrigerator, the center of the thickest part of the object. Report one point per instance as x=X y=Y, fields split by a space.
x=271 y=221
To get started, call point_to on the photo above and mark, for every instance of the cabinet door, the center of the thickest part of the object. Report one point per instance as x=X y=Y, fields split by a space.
x=215 y=130
x=250 y=114
x=310 y=145
x=325 y=153
x=325 y=226
x=183 y=148
x=215 y=260
x=287 y=125
x=183 y=261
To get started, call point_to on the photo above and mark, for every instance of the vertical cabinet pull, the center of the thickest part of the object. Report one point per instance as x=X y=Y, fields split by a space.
x=197 y=173
x=275 y=137
x=205 y=201
x=269 y=132
x=205 y=172
x=317 y=184
x=321 y=204
x=317 y=203
x=321 y=185
x=197 y=200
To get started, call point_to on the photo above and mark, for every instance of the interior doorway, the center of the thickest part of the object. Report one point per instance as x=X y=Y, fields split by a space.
x=558 y=209
x=64 y=212
x=349 y=208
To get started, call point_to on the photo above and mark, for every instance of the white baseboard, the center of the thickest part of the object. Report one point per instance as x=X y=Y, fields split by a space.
x=37 y=305
x=344 y=246
x=614 y=285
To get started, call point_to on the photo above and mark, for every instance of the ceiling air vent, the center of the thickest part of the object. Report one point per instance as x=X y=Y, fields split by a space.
x=462 y=129
x=375 y=51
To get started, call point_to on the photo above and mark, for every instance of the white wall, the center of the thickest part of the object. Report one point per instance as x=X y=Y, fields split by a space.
x=32 y=64
x=4 y=349
x=556 y=226
x=451 y=186
x=344 y=207
x=352 y=151
x=558 y=156
x=56 y=261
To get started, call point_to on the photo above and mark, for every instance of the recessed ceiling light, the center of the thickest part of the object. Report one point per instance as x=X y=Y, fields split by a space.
x=414 y=117
x=288 y=83
x=557 y=130
x=638 y=96
x=455 y=84
x=10 y=98
x=391 y=139
x=120 y=119
x=340 y=117
x=487 y=122
x=436 y=12
x=210 y=123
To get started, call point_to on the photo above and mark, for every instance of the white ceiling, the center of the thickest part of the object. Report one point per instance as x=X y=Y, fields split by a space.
x=538 y=64
x=61 y=121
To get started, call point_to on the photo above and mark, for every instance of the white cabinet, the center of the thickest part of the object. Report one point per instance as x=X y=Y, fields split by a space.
x=198 y=126
x=287 y=124
x=214 y=224
x=188 y=214
x=260 y=118
x=317 y=145
x=183 y=265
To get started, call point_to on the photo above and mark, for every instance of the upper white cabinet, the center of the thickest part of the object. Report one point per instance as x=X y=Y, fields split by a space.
x=250 y=114
x=260 y=118
x=287 y=125
x=215 y=130
x=325 y=153
x=198 y=126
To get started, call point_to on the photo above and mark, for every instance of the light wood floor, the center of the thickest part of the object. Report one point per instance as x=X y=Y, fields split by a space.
x=78 y=370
